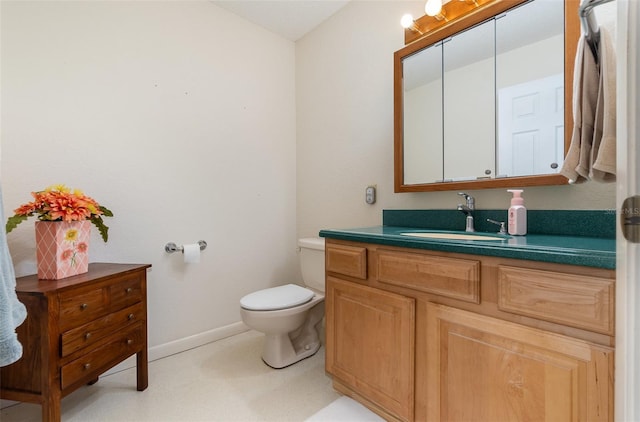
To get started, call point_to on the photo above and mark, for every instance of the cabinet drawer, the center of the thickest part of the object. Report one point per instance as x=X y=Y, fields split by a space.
x=94 y=363
x=91 y=333
x=575 y=300
x=347 y=260
x=79 y=307
x=451 y=277
x=126 y=292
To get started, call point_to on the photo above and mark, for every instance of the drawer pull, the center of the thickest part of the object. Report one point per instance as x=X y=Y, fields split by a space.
x=129 y=341
x=86 y=366
x=129 y=290
x=87 y=336
x=130 y=316
x=84 y=306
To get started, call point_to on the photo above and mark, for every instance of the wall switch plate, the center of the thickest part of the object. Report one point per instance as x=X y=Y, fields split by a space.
x=370 y=195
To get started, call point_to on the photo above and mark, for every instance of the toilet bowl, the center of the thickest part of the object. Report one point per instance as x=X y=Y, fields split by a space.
x=290 y=315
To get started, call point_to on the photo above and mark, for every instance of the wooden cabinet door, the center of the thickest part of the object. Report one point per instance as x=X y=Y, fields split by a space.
x=370 y=344
x=484 y=369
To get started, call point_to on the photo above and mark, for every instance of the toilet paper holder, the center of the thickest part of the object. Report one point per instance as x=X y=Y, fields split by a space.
x=172 y=247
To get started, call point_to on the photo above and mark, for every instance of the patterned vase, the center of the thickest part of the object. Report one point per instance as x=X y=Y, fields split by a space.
x=62 y=248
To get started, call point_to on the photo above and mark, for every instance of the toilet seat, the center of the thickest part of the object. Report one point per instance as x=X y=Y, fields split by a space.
x=274 y=298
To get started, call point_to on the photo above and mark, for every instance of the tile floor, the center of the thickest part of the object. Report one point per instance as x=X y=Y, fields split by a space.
x=222 y=381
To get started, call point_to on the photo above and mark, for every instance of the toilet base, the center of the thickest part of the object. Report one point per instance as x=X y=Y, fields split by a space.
x=282 y=350
x=297 y=359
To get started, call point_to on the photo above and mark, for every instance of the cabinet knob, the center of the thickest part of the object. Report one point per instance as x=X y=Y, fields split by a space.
x=129 y=290
x=86 y=366
x=87 y=336
x=129 y=341
x=84 y=306
x=130 y=316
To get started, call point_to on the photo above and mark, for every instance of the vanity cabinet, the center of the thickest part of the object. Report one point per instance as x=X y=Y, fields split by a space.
x=370 y=336
x=423 y=335
x=76 y=329
x=486 y=369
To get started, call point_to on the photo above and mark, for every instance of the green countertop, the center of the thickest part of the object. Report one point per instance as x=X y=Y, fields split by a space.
x=563 y=249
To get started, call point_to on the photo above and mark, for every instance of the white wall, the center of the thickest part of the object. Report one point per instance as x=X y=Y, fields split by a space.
x=180 y=118
x=344 y=89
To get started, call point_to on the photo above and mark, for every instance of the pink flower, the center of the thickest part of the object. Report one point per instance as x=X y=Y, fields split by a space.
x=66 y=254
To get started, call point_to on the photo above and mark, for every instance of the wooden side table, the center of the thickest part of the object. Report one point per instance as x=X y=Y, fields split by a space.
x=76 y=329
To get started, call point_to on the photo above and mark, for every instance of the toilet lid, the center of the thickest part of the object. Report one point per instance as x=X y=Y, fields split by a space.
x=281 y=297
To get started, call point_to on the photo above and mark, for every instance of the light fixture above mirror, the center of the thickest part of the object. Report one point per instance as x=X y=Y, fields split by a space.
x=439 y=13
x=407 y=22
x=434 y=8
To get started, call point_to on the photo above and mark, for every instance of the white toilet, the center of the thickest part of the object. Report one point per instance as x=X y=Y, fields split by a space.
x=290 y=315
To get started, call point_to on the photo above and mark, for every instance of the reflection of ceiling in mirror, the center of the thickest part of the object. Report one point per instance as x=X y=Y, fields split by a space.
x=532 y=22
x=527 y=24
x=422 y=67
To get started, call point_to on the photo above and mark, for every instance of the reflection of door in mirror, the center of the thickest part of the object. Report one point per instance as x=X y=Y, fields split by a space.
x=422 y=93
x=469 y=104
x=530 y=85
x=531 y=130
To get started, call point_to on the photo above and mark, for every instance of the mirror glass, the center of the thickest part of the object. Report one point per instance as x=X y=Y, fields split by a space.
x=422 y=93
x=530 y=89
x=484 y=102
x=469 y=104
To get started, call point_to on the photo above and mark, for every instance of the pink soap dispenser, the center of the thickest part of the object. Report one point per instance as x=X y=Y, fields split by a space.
x=517 y=214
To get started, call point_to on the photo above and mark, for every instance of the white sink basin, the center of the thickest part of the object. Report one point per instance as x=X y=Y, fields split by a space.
x=452 y=236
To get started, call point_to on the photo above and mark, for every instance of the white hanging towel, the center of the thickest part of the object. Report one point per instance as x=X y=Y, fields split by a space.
x=577 y=163
x=603 y=150
x=12 y=311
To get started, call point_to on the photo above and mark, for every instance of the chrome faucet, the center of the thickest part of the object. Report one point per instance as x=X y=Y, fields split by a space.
x=467 y=209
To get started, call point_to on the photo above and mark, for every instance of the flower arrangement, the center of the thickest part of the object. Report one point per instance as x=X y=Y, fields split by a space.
x=59 y=203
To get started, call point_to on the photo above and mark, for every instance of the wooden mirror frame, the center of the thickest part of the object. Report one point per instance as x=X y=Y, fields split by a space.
x=448 y=29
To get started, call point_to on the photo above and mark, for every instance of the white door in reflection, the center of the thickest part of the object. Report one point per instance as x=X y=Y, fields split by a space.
x=531 y=127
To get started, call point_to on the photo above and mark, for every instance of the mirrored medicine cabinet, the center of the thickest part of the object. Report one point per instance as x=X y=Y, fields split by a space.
x=485 y=100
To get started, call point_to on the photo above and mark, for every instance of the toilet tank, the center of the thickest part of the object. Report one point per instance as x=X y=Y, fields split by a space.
x=311 y=258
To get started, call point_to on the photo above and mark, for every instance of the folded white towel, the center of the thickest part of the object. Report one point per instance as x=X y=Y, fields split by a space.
x=603 y=151
x=12 y=311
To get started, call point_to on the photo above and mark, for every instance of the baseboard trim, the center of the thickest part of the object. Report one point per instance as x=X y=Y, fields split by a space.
x=183 y=344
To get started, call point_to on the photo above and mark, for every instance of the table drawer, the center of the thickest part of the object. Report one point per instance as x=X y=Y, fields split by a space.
x=79 y=307
x=569 y=299
x=92 y=364
x=94 y=331
x=126 y=292
x=347 y=260
x=450 y=277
